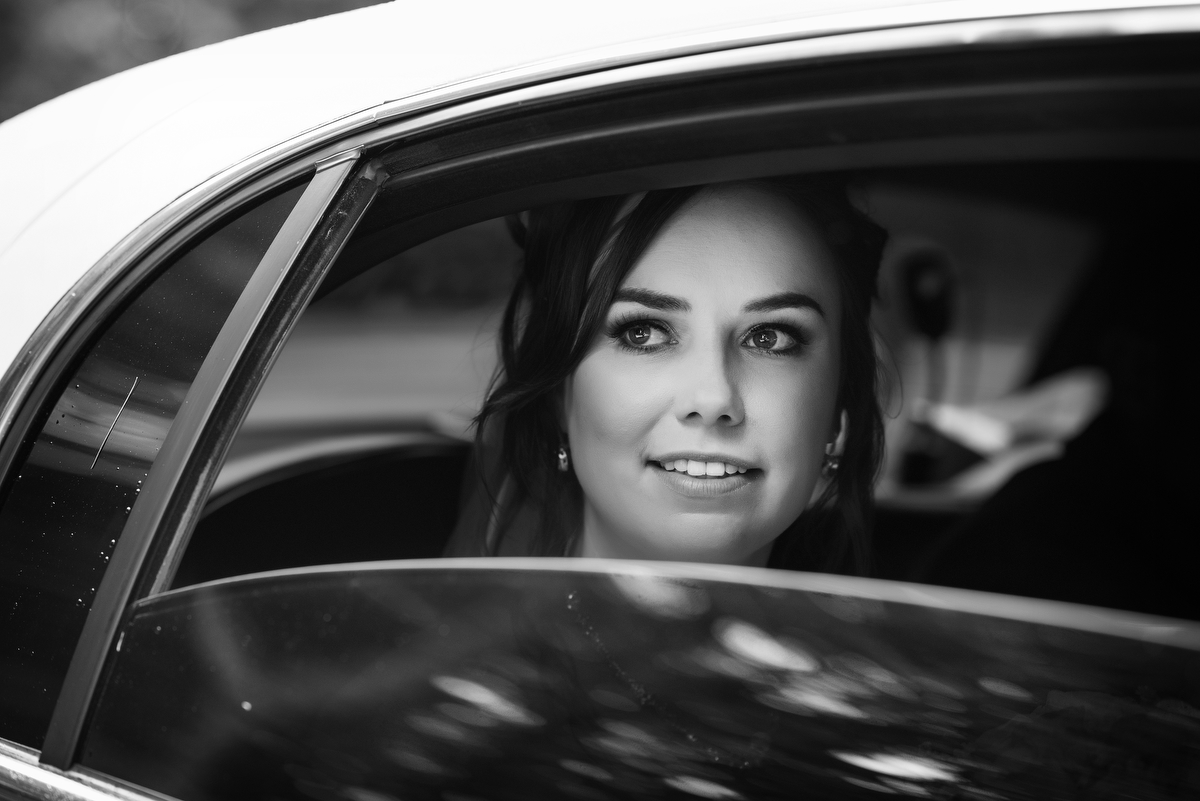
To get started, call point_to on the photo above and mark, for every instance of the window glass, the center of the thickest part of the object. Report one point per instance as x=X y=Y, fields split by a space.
x=68 y=503
x=445 y=683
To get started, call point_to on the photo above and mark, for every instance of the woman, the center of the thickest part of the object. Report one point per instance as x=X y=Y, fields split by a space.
x=686 y=374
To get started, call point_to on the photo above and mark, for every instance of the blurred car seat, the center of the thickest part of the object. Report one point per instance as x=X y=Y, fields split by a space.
x=399 y=504
x=1112 y=522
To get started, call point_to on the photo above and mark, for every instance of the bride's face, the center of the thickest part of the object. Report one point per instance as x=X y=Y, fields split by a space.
x=698 y=420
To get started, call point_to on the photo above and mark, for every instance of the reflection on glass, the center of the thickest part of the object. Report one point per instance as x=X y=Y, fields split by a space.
x=516 y=684
x=64 y=512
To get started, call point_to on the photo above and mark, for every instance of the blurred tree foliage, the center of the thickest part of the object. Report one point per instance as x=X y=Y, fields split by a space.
x=48 y=47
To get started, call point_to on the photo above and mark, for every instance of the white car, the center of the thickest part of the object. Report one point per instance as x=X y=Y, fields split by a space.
x=230 y=457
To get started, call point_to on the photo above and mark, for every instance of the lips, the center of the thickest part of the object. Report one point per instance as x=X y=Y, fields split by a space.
x=700 y=475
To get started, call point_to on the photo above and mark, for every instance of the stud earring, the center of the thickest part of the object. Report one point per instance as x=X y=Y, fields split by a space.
x=830 y=466
x=564 y=459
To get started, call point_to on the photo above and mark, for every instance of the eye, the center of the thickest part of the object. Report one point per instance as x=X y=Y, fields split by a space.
x=773 y=339
x=642 y=335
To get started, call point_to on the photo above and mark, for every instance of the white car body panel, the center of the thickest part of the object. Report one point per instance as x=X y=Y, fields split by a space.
x=86 y=169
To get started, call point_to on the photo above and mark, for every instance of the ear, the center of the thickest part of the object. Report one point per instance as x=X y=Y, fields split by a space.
x=838 y=446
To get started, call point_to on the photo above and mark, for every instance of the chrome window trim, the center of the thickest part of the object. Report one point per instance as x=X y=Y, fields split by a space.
x=628 y=69
x=22 y=776
x=844 y=36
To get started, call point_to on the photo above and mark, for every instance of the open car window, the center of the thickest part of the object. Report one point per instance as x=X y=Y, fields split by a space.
x=365 y=419
x=1015 y=353
x=1021 y=355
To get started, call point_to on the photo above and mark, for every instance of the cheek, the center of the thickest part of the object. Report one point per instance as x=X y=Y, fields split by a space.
x=610 y=406
x=796 y=410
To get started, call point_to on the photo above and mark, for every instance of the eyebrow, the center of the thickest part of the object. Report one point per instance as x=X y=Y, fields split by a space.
x=651 y=299
x=661 y=302
x=785 y=300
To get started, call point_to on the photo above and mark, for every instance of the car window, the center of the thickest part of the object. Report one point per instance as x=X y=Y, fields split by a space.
x=1005 y=285
x=1036 y=366
x=1022 y=246
x=590 y=682
x=66 y=505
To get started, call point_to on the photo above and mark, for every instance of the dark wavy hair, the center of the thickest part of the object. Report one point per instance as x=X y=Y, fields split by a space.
x=577 y=255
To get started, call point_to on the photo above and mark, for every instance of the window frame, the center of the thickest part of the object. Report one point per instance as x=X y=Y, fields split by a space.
x=422 y=165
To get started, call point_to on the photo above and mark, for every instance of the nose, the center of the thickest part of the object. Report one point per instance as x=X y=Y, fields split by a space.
x=709 y=392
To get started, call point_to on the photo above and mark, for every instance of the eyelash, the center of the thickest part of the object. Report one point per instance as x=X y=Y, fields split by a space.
x=618 y=328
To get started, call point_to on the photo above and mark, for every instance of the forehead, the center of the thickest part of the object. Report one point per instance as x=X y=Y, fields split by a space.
x=734 y=241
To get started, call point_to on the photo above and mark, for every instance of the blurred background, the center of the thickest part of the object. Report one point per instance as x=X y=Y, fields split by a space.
x=48 y=47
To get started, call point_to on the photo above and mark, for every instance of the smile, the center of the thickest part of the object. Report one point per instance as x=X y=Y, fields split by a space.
x=703 y=477
x=701 y=469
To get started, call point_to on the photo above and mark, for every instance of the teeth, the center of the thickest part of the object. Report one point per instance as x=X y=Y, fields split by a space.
x=695 y=468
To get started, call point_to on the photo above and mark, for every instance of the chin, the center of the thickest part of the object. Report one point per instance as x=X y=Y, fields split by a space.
x=715 y=544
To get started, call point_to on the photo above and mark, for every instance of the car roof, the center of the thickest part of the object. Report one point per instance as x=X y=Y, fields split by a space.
x=85 y=169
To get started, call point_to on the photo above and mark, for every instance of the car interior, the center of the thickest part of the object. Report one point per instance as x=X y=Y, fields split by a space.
x=1029 y=324
x=1040 y=328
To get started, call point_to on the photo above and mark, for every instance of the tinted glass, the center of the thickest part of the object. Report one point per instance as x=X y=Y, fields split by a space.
x=67 y=505
x=450 y=683
x=395 y=505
